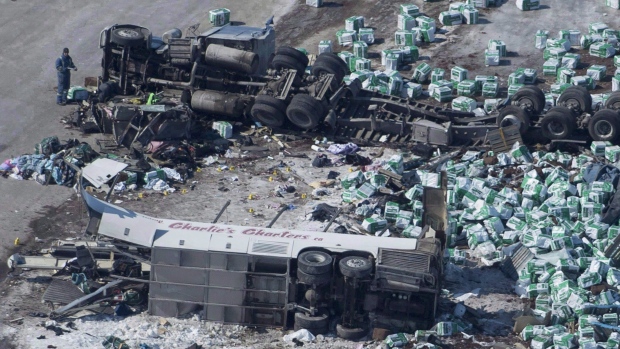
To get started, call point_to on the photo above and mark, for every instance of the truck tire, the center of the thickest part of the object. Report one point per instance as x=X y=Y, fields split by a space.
x=328 y=63
x=310 y=279
x=280 y=62
x=613 y=102
x=604 y=125
x=577 y=98
x=269 y=111
x=295 y=53
x=355 y=267
x=315 y=262
x=530 y=97
x=305 y=112
x=351 y=334
x=315 y=324
x=127 y=36
x=558 y=123
x=512 y=115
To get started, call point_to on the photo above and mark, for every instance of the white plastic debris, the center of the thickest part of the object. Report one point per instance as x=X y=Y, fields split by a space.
x=301 y=335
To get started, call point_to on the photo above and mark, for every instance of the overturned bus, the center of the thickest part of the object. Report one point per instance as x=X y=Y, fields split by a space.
x=284 y=278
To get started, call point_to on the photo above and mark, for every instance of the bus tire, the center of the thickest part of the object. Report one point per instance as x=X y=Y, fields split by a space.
x=530 y=97
x=511 y=115
x=352 y=334
x=604 y=125
x=314 y=262
x=310 y=279
x=558 y=123
x=355 y=267
x=315 y=324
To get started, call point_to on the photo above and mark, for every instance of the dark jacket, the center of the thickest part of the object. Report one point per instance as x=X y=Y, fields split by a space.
x=64 y=64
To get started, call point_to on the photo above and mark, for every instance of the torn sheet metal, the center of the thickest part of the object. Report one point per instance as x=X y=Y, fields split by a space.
x=101 y=171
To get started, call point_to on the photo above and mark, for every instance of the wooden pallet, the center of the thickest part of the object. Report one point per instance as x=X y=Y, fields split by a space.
x=502 y=139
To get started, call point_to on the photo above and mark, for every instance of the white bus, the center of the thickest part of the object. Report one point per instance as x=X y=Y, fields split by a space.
x=279 y=277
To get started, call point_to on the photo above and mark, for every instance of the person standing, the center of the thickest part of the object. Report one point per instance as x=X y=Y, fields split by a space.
x=64 y=64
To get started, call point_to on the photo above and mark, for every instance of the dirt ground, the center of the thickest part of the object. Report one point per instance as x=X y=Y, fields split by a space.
x=304 y=27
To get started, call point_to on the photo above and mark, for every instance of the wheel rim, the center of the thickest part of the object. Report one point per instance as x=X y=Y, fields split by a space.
x=556 y=128
x=510 y=120
x=572 y=104
x=128 y=33
x=315 y=258
x=526 y=102
x=300 y=118
x=355 y=263
x=615 y=105
x=603 y=128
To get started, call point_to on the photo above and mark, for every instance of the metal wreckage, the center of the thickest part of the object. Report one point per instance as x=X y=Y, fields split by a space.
x=166 y=90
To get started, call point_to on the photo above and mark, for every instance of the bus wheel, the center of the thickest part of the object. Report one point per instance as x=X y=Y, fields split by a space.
x=315 y=262
x=355 y=267
x=350 y=333
x=315 y=324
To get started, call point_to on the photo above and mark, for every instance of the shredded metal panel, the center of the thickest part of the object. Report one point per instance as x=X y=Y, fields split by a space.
x=512 y=265
x=404 y=260
x=62 y=291
x=502 y=139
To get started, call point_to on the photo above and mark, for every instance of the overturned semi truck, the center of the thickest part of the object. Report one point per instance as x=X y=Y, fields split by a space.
x=236 y=71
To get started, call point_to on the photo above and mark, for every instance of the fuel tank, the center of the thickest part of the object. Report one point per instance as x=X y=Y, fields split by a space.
x=230 y=58
x=215 y=102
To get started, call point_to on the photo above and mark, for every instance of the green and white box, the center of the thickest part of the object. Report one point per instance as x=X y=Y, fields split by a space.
x=360 y=49
x=598 y=147
x=439 y=83
x=437 y=74
x=612 y=153
x=404 y=38
x=314 y=3
x=569 y=61
x=530 y=75
x=325 y=46
x=602 y=50
x=466 y=88
x=391 y=211
x=497 y=45
x=458 y=74
x=354 y=23
x=352 y=180
x=365 y=191
x=412 y=232
x=366 y=35
x=558 y=89
x=392 y=61
x=615 y=4
x=516 y=78
x=224 y=128
x=374 y=224
x=597 y=28
x=558 y=43
x=512 y=89
x=490 y=89
x=597 y=72
x=425 y=22
x=615 y=83
x=491 y=57
x=470 y=15
x=428 y=35
x=556 y=53
x=346 y=37
x=409 y=54
x=362 y=64
x=541 y=39
x=422 y=72
x=219 y=17
x=449 y=18
x=464 y=104
x=412 y=90
x=481 y=79
x=385 y=53
x=403 y=219
x=528 y=5
x=410 y=9
x=442 y=94
x=406 y=22
x=564 y=75
x=550 y=67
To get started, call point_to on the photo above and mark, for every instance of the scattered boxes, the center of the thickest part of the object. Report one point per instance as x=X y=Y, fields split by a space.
x=470 y=15
x=597 y=72
x=425 y=22
x=404 y=38
x=442 y=94
x=464 y=104
x=541 y=39
x=572 y=35
x=528 y=5
x=458 y=74
x=512 y=89
x=449 y=18
x=490 y=89
x=406 y=22
x=556 y=52
x=491 y=57
x=584 y=81
x=421 y=73
x=615 y=4
x=362 y=64
x=550 y=67
x=530 y=76
x=409 y=54
x=224 y=128
x=602 y=50
x=497 y=45
x=346 y=37
x=410 y=10
x=597 y=28
x=325 y=46
x=412 y=90
x=366 y=35
x=437 y=74
x=466 y=88
x=219 y=17
x=564 y=75
x=360 y=49
x=354 y=23
x=314 y=3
